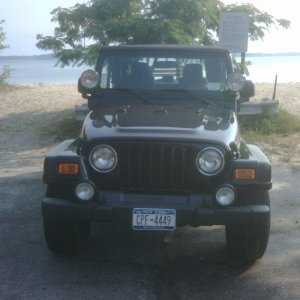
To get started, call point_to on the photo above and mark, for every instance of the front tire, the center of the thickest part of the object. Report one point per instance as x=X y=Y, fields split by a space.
x=66 y=237
x=250 y=242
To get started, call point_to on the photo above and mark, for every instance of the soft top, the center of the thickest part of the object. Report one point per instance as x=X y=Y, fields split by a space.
x=164 y=47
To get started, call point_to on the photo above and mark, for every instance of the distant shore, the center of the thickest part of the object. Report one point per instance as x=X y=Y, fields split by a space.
x=52 y=56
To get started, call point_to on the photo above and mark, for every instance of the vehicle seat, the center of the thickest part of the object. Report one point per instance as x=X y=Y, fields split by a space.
x=192 y=77
x=140 y=77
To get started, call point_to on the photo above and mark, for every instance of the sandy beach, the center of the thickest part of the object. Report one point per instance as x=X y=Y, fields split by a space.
x=288 y=95
x=25 y=109
x=36 y=98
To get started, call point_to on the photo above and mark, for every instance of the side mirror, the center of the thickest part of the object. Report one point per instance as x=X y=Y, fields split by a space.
x=248 y=91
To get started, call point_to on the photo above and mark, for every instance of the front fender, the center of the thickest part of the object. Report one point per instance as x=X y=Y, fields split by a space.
x=66 y=152
x=256 y=160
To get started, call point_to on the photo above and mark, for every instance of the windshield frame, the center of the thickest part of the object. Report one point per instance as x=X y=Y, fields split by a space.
x=152 y=53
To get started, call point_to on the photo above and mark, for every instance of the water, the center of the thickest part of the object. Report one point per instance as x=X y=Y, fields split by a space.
x=42 y=69
x=33 y=69
x=265 y=68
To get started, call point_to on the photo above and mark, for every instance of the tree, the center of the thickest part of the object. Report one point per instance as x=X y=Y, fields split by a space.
x=5 y=70
x=2 y=37
x=84 y=28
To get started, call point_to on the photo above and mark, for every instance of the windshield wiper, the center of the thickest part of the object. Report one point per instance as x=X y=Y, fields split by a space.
x=135 y=93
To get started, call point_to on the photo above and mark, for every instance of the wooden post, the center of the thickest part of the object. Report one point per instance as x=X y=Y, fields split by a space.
x=274 y=90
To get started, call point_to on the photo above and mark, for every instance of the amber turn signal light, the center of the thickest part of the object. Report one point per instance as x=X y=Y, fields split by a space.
x=245 y=174
x=68 y=169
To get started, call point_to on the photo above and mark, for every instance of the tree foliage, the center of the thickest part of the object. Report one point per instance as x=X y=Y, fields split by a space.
x=5 y=70
x=84 y=28
x=2 y=37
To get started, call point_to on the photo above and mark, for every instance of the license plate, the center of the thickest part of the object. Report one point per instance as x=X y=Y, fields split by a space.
x=153 y=219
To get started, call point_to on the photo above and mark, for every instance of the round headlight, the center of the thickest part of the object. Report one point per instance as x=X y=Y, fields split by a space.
x=89 y=79
x=84 y=191
x=225 y=195
x=210 y=161
x=236 y=82
x=103 y=158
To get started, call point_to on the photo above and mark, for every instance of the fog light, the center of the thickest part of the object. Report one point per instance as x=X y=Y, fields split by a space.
x=225 y=195
x=85 y=191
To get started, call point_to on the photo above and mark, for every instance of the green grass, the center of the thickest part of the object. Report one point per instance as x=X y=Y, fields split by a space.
x=267 y=126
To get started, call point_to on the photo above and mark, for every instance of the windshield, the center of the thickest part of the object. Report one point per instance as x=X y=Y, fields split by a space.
x=164 y=71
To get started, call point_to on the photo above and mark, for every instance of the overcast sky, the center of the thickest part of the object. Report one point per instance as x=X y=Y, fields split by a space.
x=24 y=19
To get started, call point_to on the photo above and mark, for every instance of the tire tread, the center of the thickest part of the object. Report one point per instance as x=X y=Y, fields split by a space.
x=250 y=242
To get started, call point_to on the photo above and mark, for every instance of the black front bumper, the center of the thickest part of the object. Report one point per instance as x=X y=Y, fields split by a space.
x=116 y=207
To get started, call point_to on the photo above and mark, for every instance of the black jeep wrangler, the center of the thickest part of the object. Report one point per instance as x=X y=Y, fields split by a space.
x=159 y=148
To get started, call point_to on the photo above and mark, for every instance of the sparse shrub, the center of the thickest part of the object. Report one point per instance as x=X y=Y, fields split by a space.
x=6 y=70
x=65 y=128
x=5 y=73
x=266 y=125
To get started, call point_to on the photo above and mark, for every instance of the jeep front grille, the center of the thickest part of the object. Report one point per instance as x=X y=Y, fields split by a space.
x=154 y=167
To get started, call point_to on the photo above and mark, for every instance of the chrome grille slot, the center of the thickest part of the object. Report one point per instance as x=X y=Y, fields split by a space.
x=156 y=167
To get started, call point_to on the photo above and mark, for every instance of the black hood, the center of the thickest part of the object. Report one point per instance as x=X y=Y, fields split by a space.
x=170 y=122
